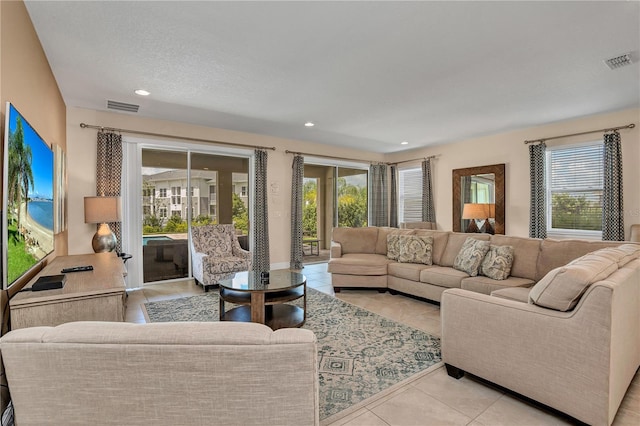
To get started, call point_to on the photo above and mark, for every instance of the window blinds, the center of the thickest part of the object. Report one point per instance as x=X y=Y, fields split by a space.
x=410 y=195
x=575 y=177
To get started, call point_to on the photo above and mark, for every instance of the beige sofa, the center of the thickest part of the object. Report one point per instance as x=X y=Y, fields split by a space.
x=359 y=259
x=562 y=329
x=579 y=361
x=97 y=373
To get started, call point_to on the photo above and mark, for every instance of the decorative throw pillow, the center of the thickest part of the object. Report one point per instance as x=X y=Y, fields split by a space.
x=393 y=246
x=562 y=288
x=471 y=255
x=497 y=263
x=416 y=249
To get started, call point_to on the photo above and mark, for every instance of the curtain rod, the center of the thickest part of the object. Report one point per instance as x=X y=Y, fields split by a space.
x=353 y=159
x=628 y=126
x=163 y=135
x=414 y=159
x=329 y=156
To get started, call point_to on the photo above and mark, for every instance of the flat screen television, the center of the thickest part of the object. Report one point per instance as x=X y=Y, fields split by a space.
x=27 y=204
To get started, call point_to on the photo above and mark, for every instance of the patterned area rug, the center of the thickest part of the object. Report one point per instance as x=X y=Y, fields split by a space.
x=362 y=356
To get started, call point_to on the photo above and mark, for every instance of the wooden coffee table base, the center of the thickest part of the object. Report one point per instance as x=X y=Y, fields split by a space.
x=263 y=307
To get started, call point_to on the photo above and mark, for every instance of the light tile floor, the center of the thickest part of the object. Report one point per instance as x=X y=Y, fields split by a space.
x=435 y=399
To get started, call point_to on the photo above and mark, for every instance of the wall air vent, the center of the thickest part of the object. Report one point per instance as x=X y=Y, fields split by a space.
x=121 y=106
x=619 y=61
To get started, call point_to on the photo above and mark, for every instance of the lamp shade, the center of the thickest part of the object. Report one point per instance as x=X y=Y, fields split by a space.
x=477 y=211
x=101 y=209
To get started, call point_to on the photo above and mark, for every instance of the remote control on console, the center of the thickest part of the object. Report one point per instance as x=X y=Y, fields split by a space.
x=77 y=269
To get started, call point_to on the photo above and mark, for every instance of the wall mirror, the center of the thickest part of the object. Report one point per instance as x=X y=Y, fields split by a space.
x=481 y=186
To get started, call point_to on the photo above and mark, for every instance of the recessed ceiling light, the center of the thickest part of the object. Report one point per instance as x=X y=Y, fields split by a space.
x=142 y=92
x=309 y=124
x=404 y=143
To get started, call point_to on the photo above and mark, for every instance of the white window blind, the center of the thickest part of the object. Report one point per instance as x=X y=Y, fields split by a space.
x=410 y=195
x=574 y=187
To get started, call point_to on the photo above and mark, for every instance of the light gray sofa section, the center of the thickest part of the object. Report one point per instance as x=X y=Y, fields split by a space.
x=99 y=373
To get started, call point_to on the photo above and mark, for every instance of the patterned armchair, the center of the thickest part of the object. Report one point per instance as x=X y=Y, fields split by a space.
x=216 y=254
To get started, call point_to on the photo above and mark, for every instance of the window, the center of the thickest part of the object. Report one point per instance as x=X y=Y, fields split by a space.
x=163 y=212
x=175 y=195
x=574 y=189
x=410 y=195
x=243 y=191
x=162 y=193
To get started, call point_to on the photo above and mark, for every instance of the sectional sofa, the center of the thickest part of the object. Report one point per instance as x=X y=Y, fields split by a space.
x=561 y=326
x=359 y=259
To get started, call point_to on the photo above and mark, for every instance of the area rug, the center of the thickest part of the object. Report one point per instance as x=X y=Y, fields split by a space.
x=362 y=356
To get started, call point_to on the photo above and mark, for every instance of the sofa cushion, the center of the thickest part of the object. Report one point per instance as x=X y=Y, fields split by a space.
x=562 y=287
x=416 y=249
x=383 y=232
x=356 y=240
x=454 y=244
x=497 y=262
x=519 y=294
x=409 y=271
x=556 y=253
x=359 y=264
x=525 y=254
x=442 y=276
x=622 y=254
x=440 y=239
x=486 y=285
x=471 y=255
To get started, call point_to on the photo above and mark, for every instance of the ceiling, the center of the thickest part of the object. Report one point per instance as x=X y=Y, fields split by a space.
x=369 y=74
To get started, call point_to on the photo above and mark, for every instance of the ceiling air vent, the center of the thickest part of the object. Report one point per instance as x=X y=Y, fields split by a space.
x=121 y=106
x=618 y=61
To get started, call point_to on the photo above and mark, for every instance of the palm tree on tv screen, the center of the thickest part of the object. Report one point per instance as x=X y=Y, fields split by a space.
x=20 y=175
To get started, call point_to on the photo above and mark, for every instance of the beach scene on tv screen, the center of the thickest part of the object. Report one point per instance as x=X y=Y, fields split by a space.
x=29 y=197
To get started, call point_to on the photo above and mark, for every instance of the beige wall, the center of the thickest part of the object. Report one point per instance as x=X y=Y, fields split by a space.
x=27 y=82
x=509 y=148
x=82 y=169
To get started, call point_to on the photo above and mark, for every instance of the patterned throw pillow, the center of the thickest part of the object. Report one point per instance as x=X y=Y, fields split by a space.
x=497 y=263
x=471 y=255
x=416 y=249
x=393 y=246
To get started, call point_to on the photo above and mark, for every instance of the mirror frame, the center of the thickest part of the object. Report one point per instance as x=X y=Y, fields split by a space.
x=498 y=171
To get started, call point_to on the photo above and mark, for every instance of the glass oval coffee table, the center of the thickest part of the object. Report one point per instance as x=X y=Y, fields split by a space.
x=265 y=302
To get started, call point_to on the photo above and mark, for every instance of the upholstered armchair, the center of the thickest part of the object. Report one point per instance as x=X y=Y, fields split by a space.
x=216 y=254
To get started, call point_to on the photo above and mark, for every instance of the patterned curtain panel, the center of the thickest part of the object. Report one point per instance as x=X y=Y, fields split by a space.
x=428 y=207
x=393 y=208
x=109 y=173
x=297 y=182
x=612 y=206
x=261 y=262
x=378 y=208
x=537 y=218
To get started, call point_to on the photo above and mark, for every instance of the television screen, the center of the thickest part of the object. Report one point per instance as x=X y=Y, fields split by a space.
x=28 y=215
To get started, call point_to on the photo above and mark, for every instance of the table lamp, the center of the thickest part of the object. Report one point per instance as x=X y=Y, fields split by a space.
x=102 y=210
x=473 y=211
x=486 y=227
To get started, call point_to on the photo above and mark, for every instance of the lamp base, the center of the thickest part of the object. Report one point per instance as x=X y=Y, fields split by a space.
x=487 y=228
x=104 y=239
x=473 y=227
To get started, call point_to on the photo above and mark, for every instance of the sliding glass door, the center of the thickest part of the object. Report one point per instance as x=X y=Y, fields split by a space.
x=182 y=189
x=332 y=196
